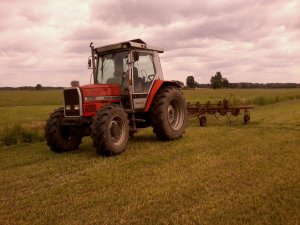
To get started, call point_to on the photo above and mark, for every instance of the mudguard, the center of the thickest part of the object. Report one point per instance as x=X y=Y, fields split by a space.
x=158 y=84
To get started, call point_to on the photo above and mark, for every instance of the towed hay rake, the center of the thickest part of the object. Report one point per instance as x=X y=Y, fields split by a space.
x=227 y=107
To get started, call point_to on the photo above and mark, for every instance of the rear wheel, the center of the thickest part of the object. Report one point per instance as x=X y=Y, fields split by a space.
x=110 y=130
x=61 y=138
x=246 y=118
x=168 y=114
x=235 y=111
x=202 y=121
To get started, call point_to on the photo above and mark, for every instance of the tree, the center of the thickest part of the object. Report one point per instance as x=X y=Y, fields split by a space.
x=218 y=81
x=38 y=87
x=225 y=83
x=190 y=82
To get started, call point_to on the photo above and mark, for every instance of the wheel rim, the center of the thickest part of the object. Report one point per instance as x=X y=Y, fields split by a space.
x=175 y=114
x=117 y=130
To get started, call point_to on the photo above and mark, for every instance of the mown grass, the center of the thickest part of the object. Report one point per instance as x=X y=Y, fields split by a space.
x=225 y=173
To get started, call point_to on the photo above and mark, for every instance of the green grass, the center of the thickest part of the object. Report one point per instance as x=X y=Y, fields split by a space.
x=18 y=134
x=33 y=107
x=225 y=173
x=26 y=111
x=25 y=115
x=244 y=96
x=31 y=98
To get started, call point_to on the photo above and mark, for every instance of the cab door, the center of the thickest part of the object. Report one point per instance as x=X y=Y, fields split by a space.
x=143 y=75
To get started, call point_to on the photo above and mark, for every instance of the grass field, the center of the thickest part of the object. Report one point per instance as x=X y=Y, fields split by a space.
x=225 y=173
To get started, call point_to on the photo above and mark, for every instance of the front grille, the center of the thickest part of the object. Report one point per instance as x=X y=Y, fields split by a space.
x=72 y=100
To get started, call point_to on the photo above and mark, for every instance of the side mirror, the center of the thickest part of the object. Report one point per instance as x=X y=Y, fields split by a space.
x=136 y=56
x=90 y=63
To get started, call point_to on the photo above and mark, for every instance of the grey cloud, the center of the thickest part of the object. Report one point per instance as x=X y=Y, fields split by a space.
x=19 y=46
x=257 y=40
x=233 y=21
x=97 y=31
x=78 y=47
x=24 y=41
x=157 y=12
x=233 y=27
x=13 y=13
x=78 y=40
x=133 y=12
x=32 y=15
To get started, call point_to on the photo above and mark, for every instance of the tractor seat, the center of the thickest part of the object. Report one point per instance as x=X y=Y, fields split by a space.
x=139 y=83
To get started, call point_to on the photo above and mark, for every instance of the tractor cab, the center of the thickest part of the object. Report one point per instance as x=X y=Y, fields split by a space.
x=133 y=65
x=128 y=93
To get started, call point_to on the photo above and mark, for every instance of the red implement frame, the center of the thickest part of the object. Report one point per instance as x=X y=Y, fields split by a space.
x=223 y=108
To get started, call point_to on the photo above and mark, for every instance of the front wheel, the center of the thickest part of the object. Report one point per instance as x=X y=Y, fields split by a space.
x=61 y=138
x=168 y=114
x=110 y=130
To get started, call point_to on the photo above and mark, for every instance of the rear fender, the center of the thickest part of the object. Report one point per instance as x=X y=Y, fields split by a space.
x=158 y=84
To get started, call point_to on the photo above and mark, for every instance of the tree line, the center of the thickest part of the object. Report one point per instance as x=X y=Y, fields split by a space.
x=218 y=81
x=38 y=87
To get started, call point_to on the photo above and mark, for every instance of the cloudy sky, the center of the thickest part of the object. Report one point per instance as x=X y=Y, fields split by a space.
x=47 y=42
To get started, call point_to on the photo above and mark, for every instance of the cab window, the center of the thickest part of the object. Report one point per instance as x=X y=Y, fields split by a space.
x=112 y=67
x=143 y=72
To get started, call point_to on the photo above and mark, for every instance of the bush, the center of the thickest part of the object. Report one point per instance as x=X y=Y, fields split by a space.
x=18 y=134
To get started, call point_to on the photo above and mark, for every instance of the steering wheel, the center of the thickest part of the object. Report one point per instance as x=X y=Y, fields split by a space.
x=151 y=77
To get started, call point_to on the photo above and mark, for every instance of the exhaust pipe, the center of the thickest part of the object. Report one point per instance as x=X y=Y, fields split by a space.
x=93 y=62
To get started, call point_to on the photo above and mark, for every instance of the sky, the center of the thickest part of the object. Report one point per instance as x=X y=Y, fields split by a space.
x=47 y=42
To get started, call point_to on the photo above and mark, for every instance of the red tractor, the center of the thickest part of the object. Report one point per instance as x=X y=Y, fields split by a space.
x=128 y=93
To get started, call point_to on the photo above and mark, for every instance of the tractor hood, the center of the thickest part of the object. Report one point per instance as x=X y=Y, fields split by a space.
x=98 y=91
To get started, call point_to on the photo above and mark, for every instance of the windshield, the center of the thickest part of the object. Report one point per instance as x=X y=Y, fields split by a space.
x=112 y=67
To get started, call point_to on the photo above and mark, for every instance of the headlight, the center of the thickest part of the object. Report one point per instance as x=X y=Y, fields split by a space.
x=68 y=107
x=76 y=107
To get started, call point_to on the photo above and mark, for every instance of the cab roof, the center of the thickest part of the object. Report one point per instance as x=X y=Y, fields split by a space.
x=135 y=44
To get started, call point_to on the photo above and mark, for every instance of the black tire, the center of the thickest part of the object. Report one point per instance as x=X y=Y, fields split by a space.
x=235 y=111
x=202 y=121
x=246 y=118
x=61 y=138
x=110 y=130
x=168 y=114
